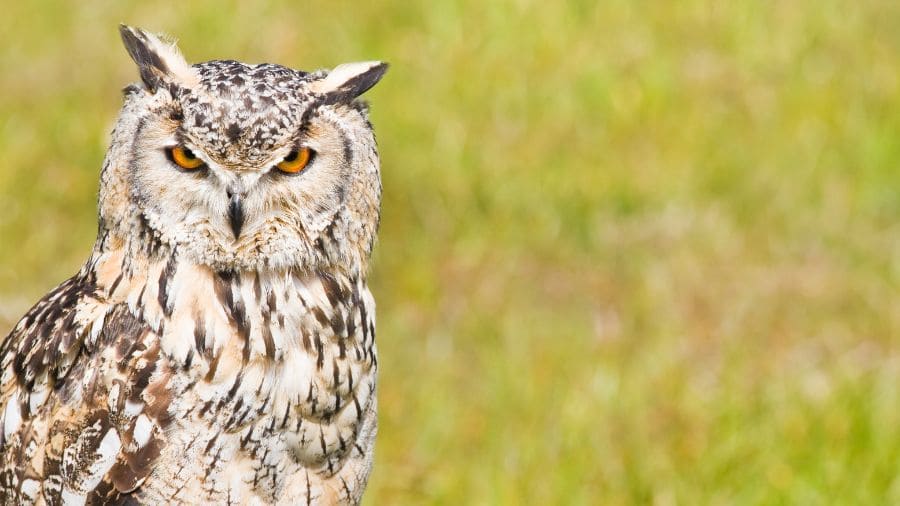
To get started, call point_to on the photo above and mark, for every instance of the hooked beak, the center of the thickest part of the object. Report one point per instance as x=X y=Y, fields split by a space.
x=236 y=214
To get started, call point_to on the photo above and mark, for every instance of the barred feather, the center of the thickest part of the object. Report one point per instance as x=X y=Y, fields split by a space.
x=193 y=362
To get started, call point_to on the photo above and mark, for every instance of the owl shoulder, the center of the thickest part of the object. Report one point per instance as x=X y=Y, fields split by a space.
x=75 y=371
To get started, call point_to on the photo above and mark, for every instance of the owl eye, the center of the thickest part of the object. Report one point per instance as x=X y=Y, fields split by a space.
x=184 y=158
x=295 y=161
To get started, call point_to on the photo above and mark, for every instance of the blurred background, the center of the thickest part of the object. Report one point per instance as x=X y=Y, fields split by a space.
x=632 y=252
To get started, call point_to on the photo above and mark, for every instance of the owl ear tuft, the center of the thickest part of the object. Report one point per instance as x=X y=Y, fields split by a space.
x=350 y=80
x=159 y=62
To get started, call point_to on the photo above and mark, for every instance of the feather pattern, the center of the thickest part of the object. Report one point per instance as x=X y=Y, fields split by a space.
x=269 y=383
x=189 y=361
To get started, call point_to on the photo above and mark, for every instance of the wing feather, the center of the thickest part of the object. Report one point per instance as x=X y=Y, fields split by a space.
x=76 y=423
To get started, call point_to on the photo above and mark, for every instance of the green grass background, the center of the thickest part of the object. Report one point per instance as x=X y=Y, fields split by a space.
x=632 y=252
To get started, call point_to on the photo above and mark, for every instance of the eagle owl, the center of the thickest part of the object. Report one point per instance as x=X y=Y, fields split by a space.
x=218 y=345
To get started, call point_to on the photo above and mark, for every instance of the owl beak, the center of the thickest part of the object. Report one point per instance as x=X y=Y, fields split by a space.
x=236 y=214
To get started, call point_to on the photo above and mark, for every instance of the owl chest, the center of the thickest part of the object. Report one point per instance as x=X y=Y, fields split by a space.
x=288 y=380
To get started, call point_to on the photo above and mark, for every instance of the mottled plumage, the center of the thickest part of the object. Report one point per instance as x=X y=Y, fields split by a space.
x=219 y=344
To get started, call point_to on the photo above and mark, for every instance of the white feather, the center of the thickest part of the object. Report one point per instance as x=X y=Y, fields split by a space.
x=12 y=416
x=142 y=430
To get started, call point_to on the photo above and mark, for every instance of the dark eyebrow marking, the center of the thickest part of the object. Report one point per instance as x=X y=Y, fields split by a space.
x=180 y=136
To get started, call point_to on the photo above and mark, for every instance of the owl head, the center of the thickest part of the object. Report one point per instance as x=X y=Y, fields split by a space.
x=238 y=166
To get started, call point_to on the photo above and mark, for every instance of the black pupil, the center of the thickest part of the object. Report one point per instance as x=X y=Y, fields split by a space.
x=188 y=153
x=291 y=156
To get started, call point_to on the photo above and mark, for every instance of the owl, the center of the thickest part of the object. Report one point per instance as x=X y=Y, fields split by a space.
x=218 y=346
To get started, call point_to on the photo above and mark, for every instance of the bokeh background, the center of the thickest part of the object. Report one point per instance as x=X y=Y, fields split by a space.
x=632 y=252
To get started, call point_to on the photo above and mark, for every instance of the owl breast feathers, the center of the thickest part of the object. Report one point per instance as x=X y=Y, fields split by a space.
x=218 y=346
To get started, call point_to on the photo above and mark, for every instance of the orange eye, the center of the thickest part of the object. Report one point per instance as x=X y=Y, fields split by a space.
x=184 y=158
x=294 y=162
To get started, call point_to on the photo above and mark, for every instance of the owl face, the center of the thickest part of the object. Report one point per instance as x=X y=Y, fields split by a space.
x=249 y=166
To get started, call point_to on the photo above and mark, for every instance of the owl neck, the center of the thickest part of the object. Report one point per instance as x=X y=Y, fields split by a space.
x=143 y=269
x=212 y=322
